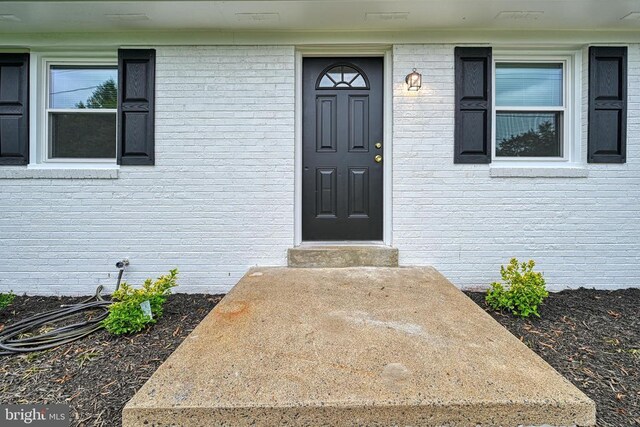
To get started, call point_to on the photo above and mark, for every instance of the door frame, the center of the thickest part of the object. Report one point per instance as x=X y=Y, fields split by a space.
x=338 y=52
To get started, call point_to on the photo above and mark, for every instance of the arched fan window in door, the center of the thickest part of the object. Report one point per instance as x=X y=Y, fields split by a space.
x=342 y=76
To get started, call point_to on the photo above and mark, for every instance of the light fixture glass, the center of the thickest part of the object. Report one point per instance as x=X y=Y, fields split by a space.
x=414 y=80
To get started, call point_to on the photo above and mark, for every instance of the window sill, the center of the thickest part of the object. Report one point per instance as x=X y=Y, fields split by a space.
x=59 y=173
x=538 y=172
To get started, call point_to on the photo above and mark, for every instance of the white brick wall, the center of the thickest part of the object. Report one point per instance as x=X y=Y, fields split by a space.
x=220 y=198
x=581 y=231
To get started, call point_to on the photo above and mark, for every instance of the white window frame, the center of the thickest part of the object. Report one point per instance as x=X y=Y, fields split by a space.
x=570 y=127
x=40 y=145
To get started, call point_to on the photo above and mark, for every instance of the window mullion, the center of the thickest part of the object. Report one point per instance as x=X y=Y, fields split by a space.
x=529 y=108
x=81 y=110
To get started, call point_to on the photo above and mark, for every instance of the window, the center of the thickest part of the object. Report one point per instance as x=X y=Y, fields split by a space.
x=342 y=76
x=81 y=111
x=531 y=115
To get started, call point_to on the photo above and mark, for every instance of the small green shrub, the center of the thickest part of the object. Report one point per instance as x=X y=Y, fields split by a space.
x=6 y=299
x=521 y=293
x=126 y=315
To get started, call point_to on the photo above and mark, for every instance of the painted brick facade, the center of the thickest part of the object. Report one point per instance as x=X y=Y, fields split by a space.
x=581 y=231
x=221 y=196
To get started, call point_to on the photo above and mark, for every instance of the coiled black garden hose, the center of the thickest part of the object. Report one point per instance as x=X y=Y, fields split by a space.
x=18 y=337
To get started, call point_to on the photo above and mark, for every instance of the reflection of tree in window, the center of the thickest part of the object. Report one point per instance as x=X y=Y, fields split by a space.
x=541 y=142
x=105 y=95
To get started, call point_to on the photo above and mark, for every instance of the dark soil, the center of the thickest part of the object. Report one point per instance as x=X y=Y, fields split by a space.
x=96 y=375
x=593 y=339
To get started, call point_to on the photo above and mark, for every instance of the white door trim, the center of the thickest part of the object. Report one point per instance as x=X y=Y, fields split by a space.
x=387 y=151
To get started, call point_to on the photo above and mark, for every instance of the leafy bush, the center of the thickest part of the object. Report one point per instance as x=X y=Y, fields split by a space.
x=521 y=293
x=6 y=299
x=126 y=315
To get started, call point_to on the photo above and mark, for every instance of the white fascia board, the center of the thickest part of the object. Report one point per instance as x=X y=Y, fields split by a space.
x=177 y=38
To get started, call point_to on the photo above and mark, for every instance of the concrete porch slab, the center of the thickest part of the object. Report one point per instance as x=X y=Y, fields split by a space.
x=353 y=347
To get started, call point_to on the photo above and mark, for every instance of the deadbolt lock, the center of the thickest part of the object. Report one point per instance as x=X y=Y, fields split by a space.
x=378 y=145
x=378 y=158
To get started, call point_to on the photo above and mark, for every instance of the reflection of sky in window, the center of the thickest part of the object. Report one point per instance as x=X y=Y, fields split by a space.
x=69 y=86
x=524 y=85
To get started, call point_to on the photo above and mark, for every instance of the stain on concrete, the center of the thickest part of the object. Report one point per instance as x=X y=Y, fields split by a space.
x=395 y=372
x=365 y=319
x=182 y=394
x=231 y=309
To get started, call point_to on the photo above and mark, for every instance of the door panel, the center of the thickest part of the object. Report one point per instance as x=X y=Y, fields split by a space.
x=358 y=192
x=358 y=123
x=326 y=126
x=342 y=122
x=326 y=193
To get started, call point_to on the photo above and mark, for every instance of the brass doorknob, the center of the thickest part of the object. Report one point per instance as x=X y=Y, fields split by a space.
x=378 y=158
x=378 y=145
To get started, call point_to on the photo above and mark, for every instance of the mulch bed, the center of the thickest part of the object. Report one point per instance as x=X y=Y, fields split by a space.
x=593 y=339
x=96 y=375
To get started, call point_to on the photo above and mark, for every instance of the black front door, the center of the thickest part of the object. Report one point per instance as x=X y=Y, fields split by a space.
x=342 y=148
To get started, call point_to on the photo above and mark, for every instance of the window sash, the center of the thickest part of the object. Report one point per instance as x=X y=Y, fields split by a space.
x=79 y=69
x=46 y=144
x=567 y=97
x=511 y=119
x=545 y=92
x=84 y=144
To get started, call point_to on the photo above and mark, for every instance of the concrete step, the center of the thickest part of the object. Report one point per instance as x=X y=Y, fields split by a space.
x=353 y=347
x=342 y=256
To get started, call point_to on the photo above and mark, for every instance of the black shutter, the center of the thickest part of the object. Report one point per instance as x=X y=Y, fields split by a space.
x=136 y=104
x=14 y=108
x=607 y=104
x=473 y=105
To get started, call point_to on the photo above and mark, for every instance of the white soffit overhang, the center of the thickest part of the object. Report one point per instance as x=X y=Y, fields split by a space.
x=318 y=15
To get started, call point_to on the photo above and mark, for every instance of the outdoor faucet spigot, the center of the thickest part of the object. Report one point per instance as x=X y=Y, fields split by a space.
x=122 y=264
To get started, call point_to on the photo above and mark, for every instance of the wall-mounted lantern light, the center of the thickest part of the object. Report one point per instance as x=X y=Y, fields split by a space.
x=414 y=80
